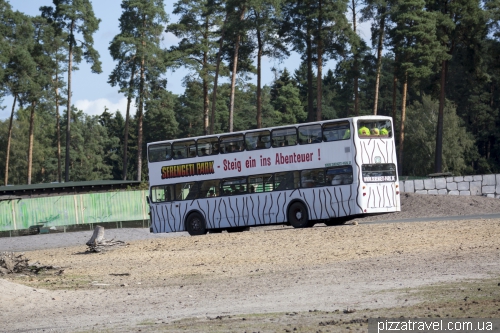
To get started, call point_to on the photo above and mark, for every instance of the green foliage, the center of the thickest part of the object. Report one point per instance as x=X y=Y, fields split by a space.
x=91 y=147
x=458 y=149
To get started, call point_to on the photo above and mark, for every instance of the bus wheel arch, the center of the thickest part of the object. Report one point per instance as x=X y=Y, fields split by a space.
x=298 y=214
x=195 y=224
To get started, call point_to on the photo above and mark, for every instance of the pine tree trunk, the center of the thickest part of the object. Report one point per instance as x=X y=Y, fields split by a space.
x=217 y=68
x=9 y=138
x=402 y=130
x=127 y=124
x=30 y=145
x=379 y=60
x=319 y=88
x=438 y=164
x=259 y=78
x=141 y=104
x=68 y=116
x=58 y=130
x=206 y=101
x=233 y=77
x=355 y=66
x=394 y=95
x=140 y=118
x=310 y=100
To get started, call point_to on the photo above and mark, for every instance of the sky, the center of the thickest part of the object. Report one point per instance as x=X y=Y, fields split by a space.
x=92 y=93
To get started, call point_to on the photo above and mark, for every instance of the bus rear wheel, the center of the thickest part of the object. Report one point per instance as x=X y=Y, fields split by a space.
x=298 y=216
x=195 y=225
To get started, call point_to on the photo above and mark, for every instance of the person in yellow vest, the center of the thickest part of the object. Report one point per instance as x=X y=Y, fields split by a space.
x=375 y=131
x=364 y=131
x=384 y=132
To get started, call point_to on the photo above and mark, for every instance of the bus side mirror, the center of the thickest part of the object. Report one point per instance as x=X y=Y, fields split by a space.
x=147 y=199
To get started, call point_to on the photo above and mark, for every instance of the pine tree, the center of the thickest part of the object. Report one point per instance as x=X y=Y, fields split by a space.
x=76 y=19
x=138 y=49
x=264 y=18
x=20 y=67
x=197 y=49
x=416 y=47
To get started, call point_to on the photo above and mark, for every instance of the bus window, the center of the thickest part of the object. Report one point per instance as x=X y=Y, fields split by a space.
x=341 y=175
x=310 y=134
x=369 y=129
x=258 y=140
x=380 y=172
x=231 y=143
x=162 y=193
x=336 y=131
x=260 y=183
x=186 y=191
x=184 y=149
x=161 y=152
x=284 y=137
x=286 y=180
x=312 y=178
x=208 y=146
x=209 y=189
x=234 y=186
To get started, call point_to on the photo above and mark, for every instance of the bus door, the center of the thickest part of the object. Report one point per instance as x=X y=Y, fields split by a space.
x=161 y=204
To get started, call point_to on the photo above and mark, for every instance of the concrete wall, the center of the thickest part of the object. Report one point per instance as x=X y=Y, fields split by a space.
x=486 y=185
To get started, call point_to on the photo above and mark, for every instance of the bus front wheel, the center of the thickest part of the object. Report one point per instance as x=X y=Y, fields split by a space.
x=195 y=224
x=298 y=216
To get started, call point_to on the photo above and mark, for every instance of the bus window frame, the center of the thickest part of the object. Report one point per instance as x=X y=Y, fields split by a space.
x=223 y=184
x=265 y=181
x=223 y=147
x=169 y=153
x=285 y=137
x=341 y=178
x=208 y=141
x=312 y=180
x=157 y=187
x=341 y=125
x=309 y=138
x=187 y=149
x=368 y=123
x=259 y=135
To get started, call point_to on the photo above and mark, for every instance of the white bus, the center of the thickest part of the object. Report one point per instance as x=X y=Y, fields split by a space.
x=298 y=174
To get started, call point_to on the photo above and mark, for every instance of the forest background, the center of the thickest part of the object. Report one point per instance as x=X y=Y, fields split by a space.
x=431 y=65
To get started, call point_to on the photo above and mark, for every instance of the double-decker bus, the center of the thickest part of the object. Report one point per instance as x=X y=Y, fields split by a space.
x=325 y=171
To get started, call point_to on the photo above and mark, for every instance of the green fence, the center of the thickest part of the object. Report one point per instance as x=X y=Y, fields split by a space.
x=73 y=209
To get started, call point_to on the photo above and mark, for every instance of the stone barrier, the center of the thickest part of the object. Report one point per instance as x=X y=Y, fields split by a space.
x=485 y=185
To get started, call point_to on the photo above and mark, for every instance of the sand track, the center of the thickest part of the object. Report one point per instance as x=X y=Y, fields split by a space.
x=272 y=269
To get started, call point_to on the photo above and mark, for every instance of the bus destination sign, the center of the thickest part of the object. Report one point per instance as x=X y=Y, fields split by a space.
x=187 y=170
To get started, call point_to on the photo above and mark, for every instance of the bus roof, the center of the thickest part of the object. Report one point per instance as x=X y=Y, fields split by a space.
x=272 y=128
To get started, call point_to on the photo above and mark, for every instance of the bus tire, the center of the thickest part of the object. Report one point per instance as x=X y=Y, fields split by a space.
x=195 y=224
x=298 y=216
x=238 y=229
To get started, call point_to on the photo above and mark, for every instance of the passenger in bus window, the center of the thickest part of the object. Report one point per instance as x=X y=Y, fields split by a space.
x=192 y=154
x=211 y=194
x=252 y=189
x=364 y=131
x=347 y=134
x=204 y=151
x=178 y=155
x=260 y=144
x=215 y=149
x=375 y=131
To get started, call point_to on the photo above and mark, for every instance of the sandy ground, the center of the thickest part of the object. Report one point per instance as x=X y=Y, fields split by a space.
x=160 y=279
